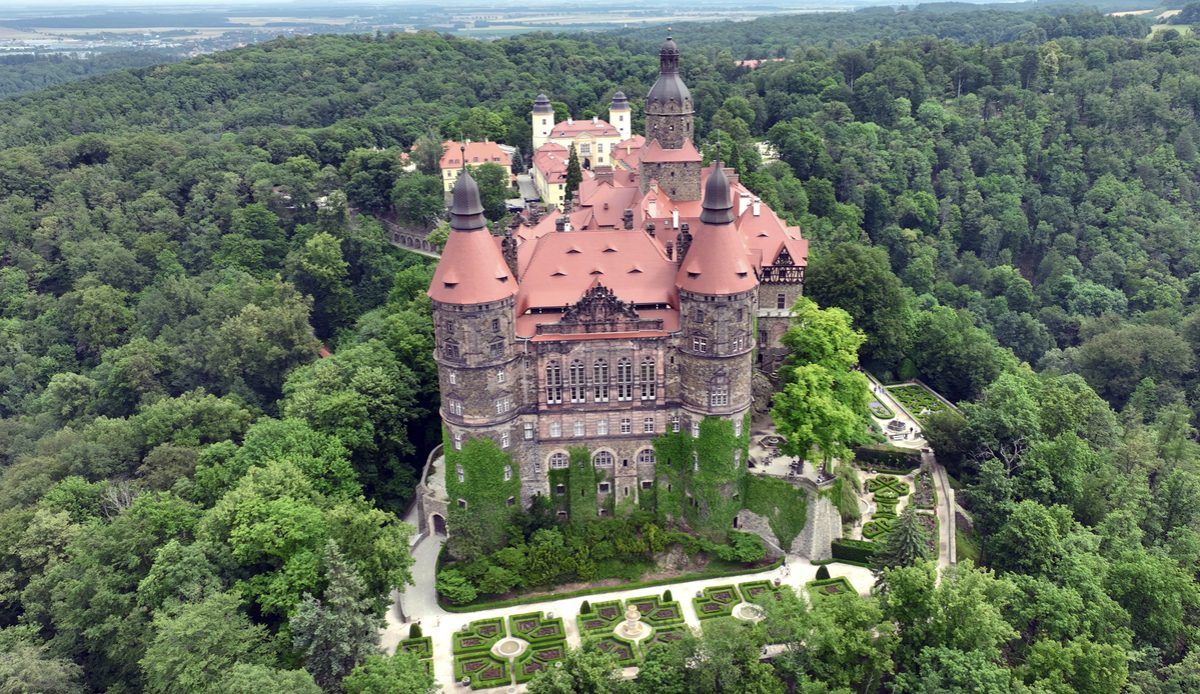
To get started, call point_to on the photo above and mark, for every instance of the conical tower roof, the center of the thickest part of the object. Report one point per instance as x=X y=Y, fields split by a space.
x=717 y=262
x=472 y=269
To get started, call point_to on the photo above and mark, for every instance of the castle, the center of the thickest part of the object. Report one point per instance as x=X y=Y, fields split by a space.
x=570 y=348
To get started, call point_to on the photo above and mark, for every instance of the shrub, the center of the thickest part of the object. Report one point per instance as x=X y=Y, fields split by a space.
x=716 y=601
x=586 y=607
x=822 y=572
x=414 y=632
x=667 y=595
x=858 y=551
x=535 y=628
x=891 y=457
x=759 y=592
x=830 y=586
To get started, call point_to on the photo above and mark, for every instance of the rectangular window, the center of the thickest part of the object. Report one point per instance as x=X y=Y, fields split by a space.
x=458 y=470
x=495 y=325
x=700 y=344
x=512 y=501
x=739 y=343
x=675 y=423
x=503 y=404
x=585 y=150
x=646 y=484
x=555 y=430
x=498 y=348
x=454 y=406
x=507 y=472
x=648 y=425
x=737 y=427
x=604 y=487
x=695 y=430
x=719 y=397
x=579 y=429
x=537 y=468
x=499 y=375
x=453 y=378
x=560 y=489
x=781 y=301
x=462 y=503
x=626 y=425
x=504 y=439
x=528 y=431
x=457 y=441
x=602 y=427
x=737 y=459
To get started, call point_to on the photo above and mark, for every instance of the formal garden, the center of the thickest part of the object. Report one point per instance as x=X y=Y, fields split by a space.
x=920 y=401
x=486 y=654
x=716 y=601
x=827 y=587
x=886 y=492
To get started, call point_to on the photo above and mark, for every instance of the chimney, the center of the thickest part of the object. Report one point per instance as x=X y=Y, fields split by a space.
x=603 y=173
x=675 y=218
x=685 y=242
x=670 y=250
x=570 y=121
x=743 y=203
x=595 y=120
x=756 y=207
x=627 y=218
x=509 y=248
x=732 y=178
x=560 y=224
x=650 y=229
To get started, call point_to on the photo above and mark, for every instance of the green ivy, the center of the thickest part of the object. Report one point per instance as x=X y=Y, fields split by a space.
x=582 y=484
x=784 y=506
x=698 y=482
x=483 y=487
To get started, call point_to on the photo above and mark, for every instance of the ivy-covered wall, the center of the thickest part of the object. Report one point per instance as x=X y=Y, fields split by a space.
x=484 y=488
x=698 y=482
x=581 y=485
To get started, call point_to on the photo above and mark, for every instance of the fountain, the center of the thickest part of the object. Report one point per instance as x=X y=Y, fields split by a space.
x=749 y=612
x=632 y=628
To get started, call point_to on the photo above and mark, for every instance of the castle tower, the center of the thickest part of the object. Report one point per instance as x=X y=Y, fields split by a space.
x=620 y=116
x=479 y=372
x=542 y=119
x=718 y=297
x=670 y=157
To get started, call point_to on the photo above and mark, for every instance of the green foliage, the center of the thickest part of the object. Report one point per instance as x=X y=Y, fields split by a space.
x=540 y=657
x=821 y=589
x=534 y=627
x=484 y=488
x=783 y=505
x=600 y=618
x=857 y=551
x=574 y=175
x=716 y=601
x=701 y=479
x=479 y=636
x=822 y=572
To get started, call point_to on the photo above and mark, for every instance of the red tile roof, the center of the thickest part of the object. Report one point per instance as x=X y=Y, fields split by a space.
x=477 y=153
x=629 y=152
x=594 y=127
x=551 y=160
x=472 y=270
x=655 y=153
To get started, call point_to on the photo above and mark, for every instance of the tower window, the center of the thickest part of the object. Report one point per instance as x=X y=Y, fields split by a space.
x=645 y=456
x=454 y=406
x=648 y=378
x=504 y=439
x=554 y=384
x=695 y=429
x=675 y=423
x=497 y=347
x=646 y=484
x=507 y=473
x=495 y=325
x=699 y=344
x=604 y=487
x=737 y=427
x=450 y=349
x=457 y=441
x=458 y=470
x=719 y=396
x=737 y=459
x=503 y=404
x=453 y=376
x=462 y=503
x=512 y=501
x=499 y=375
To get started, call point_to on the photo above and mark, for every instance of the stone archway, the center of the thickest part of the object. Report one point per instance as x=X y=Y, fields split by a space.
x=439 y=524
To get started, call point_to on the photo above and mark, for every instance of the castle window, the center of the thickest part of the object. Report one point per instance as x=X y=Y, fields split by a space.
x=512 y=501
x=645 y=456
x=561 y=489
x=604 y=487
x=504 y=439
x=626 y=490
x=648 y=378
x=624 y=379
x=454 y=406
x=499 y=375
x=699 y=344
x=453 y=376
x=600 y=380
x=695 y=429
x=553 y=383
x=647 y=484
x=575 y=374
x=503 y=404
x=558 y=461
x=602 y=427
x=737 y=459
x=699 y=316
x=675 y=423
x=450 y=349
x=462 y=503
x=603 y=459
x=737 y=427
x=739 y=343
x=781 y=301
x=648 y=425
x=537 y=468
x=695 y=461
x=458 y=470
x=579 y=430
x=457 y=441
x=507 y=472
x=626 y=425
x=495 y=325
x=719 y=396
x=528 y=431
x=497 y=347
x=741 y=315
x=555 y=430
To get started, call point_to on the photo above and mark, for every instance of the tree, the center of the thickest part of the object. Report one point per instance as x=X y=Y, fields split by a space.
x=335 y=634
x=402 y=673
x=26 y=666
x=583 y=671
x=574 y=176
x=418 y=199
x=906 y=545
x=320 y=271
x=494 y=189
x=245 y=678
x=427 y=153
x=200 y=644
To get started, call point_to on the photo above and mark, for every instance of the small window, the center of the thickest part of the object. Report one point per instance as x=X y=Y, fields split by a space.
x=497 y=348
x=719 y=396
x=647 y=484
x=537 y=468
x=602 y=427
x=457 y=441
x=781 y=301
x=626 y=425
x=503 y=404
x=741 y=315
x=453 y=378
x=695 y=461
x=737 y=459
x=699 y=317
x=695 y=429
x=648 y=425
x=579 y=429
x=560 y=489
x=528 y=431
x=499 y=375
x=699 y=344
x=495 y=325
x=555 y=430
x=604 y=487
x=462 y=503
x=737 y=427
x=458 y=469
x=675 y=423
x=512 y=501
x=507 y=472
x=562 y=515
x=455 y=406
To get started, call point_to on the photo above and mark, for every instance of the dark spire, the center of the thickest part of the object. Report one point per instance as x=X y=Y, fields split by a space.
x=542 y=104
x=718 y=203
x=619 y=102
x=669 y=86
x=668 y=56
x=466 y=209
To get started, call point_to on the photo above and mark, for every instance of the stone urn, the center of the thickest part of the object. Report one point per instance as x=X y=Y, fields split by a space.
x=632 y=628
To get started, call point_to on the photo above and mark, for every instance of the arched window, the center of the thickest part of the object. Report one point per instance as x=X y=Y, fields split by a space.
x=558 y=460
x=600 y=380
x=553 y=382
x=624 y=379
x=603 y=459
x=648 y=378
x=646 y=456
x=576 y=379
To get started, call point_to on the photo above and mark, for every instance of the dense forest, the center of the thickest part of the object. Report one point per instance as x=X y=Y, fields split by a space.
x=191 y=499
x=27 y=73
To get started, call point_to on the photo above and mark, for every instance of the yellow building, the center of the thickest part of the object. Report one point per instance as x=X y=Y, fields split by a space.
x=476 y=153
x=594 y=139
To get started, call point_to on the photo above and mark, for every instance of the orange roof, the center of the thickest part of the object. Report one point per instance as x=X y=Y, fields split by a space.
x=551 y=159
x=629 y=152
x=718 y=261
x=471 y=271
x=656 y=153
x=594 y=127
x=477 y=153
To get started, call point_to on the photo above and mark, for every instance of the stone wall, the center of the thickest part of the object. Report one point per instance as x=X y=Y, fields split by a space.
x=751 y=522
x=822 y=526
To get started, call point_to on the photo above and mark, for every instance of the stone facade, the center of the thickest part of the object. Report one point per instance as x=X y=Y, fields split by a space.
x=680 y=180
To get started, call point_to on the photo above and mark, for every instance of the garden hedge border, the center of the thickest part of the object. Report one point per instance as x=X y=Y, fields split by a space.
x=813 y=586
x=706 y=597
x=531 y=653
x=542 y=622
x=860 y=551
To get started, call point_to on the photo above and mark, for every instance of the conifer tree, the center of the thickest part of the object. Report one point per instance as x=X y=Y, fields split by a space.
x=906 y=545
x=336 y=633
x=574 y=176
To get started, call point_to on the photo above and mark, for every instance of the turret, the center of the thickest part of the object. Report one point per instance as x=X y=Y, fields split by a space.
x=718 y=296
x=620 y=116
x=542 y=120
x=669 y=156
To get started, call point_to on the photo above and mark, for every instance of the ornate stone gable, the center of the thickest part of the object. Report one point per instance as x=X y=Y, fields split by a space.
x=600 y=311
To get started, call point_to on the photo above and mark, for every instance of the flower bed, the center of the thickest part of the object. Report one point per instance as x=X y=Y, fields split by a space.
x=716 y=601
x=925 y=494
x=538 y=658
x=479 y=635
x=760 y=592
x=484 y=670
x=664 y=635
x=657 y=613
x=880 y=410
x=930 y=522
x=534 y=627
x=602 y=619
x=625 y=652
x=827 y=587
x=884 y=508
x=877 y=528
x=918 y=400
x=422 y=646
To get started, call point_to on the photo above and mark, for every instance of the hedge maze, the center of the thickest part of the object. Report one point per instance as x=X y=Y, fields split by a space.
x=484 y=670
x=760 y=592
x=623 y=651
x=657 y=613
x=716 y=601
x=538 y=657
x=666 y=635
x=479 y=635
x=829 y=587
x=602 y=618
x=534 y=627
